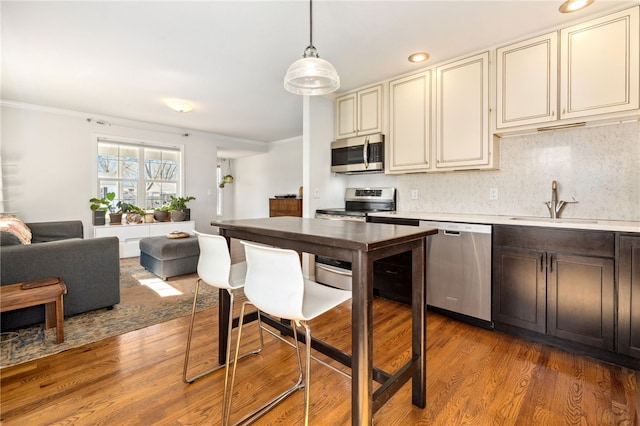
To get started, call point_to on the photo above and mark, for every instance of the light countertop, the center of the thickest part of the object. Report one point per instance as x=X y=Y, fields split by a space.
x=592 y=224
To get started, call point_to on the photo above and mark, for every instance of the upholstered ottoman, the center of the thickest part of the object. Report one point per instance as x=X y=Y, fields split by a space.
x=167 y=257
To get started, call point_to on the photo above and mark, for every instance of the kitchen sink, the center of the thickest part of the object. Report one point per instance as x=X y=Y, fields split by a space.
x=550 y=220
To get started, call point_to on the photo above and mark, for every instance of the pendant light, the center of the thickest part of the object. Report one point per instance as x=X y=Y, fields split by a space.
x=311 y=75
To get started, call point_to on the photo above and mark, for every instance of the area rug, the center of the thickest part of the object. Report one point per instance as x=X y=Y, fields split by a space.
x=139 y=307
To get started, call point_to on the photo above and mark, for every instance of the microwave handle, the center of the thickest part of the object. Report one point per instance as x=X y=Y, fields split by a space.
x=365 y=152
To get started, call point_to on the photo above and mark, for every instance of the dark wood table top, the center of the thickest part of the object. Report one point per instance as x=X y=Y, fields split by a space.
x=350 y=235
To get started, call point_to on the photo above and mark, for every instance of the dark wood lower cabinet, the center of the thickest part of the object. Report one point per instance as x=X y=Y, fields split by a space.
x=392 y=278
x=392 y=275
x=580 y=299
x=519 y=288
x=556 y=282
x=629 y=296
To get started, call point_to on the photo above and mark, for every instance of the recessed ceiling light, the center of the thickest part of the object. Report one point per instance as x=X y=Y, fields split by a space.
x=180 y=105
x=573 y=5
x=418 y=57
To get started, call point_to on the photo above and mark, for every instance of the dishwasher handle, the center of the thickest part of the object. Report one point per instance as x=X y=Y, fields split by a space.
x=451 y=233
x=459 y=227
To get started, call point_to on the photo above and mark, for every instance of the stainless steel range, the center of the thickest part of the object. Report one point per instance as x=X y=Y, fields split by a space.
x=358 y=203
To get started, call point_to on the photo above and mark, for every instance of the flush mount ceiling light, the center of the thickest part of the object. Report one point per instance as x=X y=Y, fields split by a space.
x=418 y=57
x=180 y=105
x=573 y=5
x=311 y=75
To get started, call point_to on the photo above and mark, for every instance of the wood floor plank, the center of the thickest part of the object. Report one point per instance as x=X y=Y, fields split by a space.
x=474 y=377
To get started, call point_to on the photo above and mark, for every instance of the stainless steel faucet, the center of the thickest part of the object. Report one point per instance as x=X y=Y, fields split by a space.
x=555 y=206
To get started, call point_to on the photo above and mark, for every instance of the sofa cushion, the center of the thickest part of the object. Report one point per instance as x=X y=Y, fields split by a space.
x=43 y=232
x=15 y=229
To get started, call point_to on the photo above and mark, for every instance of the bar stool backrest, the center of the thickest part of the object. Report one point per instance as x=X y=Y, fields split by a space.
x=214 y=263
x=274 y=282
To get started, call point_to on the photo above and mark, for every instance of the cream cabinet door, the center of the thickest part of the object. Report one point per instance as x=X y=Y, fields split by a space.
x=346 y=113
x=462 y=113
x=369 y=111
x=409 y=147
x=599 y=65
x=527 y=82
x=359 y=113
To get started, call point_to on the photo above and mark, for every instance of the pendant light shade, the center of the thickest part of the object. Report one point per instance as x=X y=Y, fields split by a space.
x=311 y=75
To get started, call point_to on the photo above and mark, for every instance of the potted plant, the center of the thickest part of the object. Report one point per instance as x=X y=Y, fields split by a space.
x=133 y=213
x=225 y=180
x=100 y=206
x=178 y=205
x=115 y=213
x=161 y=214
x=148 y=216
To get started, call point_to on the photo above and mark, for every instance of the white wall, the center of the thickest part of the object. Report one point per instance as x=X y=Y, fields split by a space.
x=325 y=189
x=51 y=154
x=262 y=176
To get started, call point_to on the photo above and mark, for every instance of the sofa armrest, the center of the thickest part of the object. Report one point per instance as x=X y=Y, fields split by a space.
x=53 y=231
x=90 y=268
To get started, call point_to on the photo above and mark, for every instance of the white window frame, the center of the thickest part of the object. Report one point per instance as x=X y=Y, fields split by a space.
x=141 y=143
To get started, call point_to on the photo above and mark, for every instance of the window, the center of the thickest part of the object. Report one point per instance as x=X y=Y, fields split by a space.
x=139 y=174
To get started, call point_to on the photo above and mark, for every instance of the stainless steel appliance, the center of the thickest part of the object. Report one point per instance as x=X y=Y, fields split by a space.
x=459 y=269
x=358 y=203
x=362 y=154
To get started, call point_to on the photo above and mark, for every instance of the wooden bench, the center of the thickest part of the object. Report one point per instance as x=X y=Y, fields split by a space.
x=48 y=292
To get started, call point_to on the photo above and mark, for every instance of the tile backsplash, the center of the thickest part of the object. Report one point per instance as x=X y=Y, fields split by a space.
x=597 y=166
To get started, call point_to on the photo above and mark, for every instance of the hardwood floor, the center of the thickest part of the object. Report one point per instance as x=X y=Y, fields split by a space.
x=475 y=377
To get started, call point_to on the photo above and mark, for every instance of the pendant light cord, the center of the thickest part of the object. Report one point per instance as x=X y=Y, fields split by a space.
x=310 y=23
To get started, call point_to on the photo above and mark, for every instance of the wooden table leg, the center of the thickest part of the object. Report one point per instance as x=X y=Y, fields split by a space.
x=59 y=320
x=54 y=317
x=224 y=305
x=419 y=325
x=362 y=344
x=49 y=315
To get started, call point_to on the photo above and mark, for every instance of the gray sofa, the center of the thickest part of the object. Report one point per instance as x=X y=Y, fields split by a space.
x=90 y=268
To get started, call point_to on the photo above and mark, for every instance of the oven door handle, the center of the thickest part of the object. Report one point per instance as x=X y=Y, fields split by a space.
x=334 y=270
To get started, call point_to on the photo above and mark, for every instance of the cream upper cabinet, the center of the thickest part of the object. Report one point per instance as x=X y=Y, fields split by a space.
x=527 y=76
x=462 y=114
x=599 y=65
x=359 y=113
x=409 y=144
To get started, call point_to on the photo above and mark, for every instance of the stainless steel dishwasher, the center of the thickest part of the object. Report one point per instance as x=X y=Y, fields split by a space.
x=459 y=269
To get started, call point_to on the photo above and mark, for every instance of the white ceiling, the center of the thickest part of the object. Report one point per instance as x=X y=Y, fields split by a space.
x=122 y=59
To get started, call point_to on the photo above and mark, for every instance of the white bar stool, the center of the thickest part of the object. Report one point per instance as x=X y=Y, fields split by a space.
x=275 y=285
x=215 y=269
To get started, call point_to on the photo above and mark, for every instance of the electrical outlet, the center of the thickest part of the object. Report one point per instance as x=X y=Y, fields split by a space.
x=316 y=193
x=414 y=194
x=493 y=193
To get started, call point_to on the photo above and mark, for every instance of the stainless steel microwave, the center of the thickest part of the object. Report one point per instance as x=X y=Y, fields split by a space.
x=362 y=154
